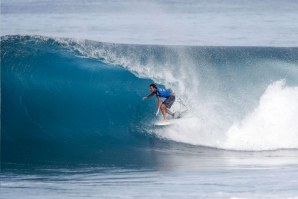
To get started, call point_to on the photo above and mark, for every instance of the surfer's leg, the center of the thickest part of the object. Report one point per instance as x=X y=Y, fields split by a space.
x=164 y=111
x=168 y=104
x=170 y=112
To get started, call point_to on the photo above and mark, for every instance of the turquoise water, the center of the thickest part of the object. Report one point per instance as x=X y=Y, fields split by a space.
x=73 y=123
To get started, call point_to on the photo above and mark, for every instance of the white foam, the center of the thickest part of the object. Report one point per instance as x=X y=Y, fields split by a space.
x=272 y=125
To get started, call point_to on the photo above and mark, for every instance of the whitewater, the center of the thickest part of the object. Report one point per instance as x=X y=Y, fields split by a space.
x=73 y=122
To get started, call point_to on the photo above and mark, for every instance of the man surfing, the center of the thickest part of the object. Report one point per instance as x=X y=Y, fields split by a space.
x=166 y=104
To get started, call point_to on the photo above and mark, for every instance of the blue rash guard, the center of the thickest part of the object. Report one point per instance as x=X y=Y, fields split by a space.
x=161 y=92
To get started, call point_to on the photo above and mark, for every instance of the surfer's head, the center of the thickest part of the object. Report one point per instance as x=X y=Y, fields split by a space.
x=152 y=87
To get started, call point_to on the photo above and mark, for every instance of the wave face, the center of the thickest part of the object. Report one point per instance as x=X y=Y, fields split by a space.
x=55 y=104
x=73 y=98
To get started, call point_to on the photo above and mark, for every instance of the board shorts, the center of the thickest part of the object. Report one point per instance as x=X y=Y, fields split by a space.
x=169 y=101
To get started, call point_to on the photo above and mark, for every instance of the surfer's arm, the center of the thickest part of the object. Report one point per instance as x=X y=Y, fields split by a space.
x=148 y=96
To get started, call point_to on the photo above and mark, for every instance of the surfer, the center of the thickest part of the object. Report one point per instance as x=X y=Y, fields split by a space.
x=166 y=104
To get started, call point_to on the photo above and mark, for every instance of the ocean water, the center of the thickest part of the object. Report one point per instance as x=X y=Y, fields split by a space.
x=74 y=125
x=172 y=22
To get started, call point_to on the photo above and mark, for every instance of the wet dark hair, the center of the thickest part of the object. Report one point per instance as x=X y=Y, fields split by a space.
x=153 y=85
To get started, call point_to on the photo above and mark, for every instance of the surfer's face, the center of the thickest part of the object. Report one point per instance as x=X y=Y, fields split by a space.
x=152 y=89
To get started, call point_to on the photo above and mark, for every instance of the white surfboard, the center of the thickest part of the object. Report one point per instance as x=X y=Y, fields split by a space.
x=169 y=121
x=163 y=123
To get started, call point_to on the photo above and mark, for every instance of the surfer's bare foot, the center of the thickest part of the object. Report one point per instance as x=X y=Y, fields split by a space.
x=173 y=115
